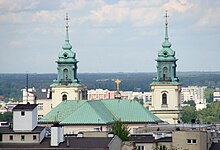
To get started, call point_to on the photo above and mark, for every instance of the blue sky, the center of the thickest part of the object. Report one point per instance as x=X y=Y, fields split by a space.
x=108 y=35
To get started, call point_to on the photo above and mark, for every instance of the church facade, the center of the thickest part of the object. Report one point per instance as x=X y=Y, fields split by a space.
x=166 y=87
x=67 y=85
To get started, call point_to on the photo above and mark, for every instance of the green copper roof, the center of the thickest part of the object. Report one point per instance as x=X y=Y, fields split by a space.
x=92 y=112
x=130 y=111
x=62 y=111
x=99 y=112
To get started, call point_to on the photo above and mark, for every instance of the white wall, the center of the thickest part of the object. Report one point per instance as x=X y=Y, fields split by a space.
x=25 y=123
x=72 y=93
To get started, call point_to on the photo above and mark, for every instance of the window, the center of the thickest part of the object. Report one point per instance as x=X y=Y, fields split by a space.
x=22 y=138
x=164 y=99
x=65 y=74
x=11 y=137
x=34 y=137
x=194 y=141
x=40 y=106
x=64 y=97
x=22 y=113
x=140 y=147
x=191 y=141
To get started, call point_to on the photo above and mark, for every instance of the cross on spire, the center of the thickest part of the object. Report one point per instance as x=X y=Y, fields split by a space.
x=166 y=16
x=67 y=21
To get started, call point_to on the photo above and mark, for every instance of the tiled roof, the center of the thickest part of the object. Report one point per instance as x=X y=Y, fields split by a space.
x=100 y=112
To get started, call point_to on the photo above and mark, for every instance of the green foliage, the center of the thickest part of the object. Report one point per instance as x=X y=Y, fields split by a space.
x=189 y=113
x=7 y=116
x=209 y=94
x=141 y=101
x=190 y=102
x=121 y=130
x=211 y=114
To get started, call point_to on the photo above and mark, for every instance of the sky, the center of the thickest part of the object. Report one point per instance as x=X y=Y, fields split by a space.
x=108 y=35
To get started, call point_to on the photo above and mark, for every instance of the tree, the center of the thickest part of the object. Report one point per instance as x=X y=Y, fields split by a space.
x=211 y=114
x=209 y=94
x=190 y=102
x=121 y=130
x=7 y=116
x=189 y=113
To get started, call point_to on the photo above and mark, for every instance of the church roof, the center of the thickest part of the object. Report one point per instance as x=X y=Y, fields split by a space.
x=99 y=112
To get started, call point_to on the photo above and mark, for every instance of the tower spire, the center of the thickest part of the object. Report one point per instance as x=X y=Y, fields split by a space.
x=67 y=45
x=166 y=43
x=67 y=27
x=166 y=25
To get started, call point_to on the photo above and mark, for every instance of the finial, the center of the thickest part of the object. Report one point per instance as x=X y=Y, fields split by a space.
x=117 y=84
x=67 y=45
x=166 y=16
x=166 y=43
x=118 y=94
x=67 y=21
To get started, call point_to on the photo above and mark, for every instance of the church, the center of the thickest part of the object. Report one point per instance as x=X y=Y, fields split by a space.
x=166 y=87
x=67 y=86
x=67 y=89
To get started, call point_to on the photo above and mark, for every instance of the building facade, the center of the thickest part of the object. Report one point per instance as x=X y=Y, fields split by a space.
x=24 y=129
x=216 y=96
x=166 y=87
x=67 y=85
x=196 y=94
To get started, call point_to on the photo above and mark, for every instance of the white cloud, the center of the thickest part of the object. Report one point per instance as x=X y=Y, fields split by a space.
x=180 y=6
x=210 y=17
x=12 y=5
x=46 y=16
x=138 y=13
x=81 y=4
x=18 y=17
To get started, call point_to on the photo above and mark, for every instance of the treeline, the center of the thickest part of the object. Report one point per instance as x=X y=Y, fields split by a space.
x=11 y=84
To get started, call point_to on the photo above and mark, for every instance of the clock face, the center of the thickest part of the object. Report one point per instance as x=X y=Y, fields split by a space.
x=65 y=55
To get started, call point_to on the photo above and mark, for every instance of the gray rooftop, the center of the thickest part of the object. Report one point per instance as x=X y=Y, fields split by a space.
x=21 y=107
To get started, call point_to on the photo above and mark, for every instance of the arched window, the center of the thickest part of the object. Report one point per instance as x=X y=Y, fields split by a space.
x=65 y=74
x=165 y=71
x=64 y=97
x=164 y=99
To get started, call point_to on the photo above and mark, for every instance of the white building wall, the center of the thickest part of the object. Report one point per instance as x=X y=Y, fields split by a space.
x=216 y=96
x=22 y=122
x=44 y=106
x=54 y=136
x=195 y=93
x=72 y=92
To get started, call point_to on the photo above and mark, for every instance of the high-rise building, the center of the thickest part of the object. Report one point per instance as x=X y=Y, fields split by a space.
x=166 y=87
x=67 y=85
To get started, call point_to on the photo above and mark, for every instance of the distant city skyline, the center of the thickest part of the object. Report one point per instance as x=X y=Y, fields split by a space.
x=108 y=35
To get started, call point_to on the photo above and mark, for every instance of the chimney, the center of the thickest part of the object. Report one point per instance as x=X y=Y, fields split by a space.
x=80 y=135
x=110 y=134
x=57 y=135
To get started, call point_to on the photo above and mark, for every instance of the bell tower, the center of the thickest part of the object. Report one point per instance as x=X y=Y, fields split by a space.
x=67 y=86
x=166 y=87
